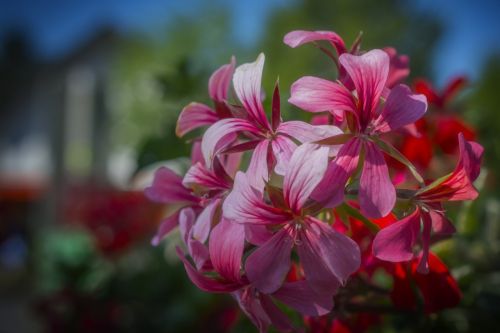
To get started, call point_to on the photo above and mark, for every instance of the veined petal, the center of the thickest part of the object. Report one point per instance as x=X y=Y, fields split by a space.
x=440 y=224
x=167 y=188
x=267 y=266
x=247 y=85
x=369 y=75
x=193 y=116
x=330 y=191
x=226 y=249
x=423 y=265
x=245 y=205
x=471 y=154
x=307 y=167
x=305 y=132
x=298 y=37
x=257 y=234
x=401 y=108
x=302 y=298
x=218 y=84
x=328 y=257
x=198 y=176
x=205 y=283
x=317 y=95
x=201 y=228
x=258 y=169
x=221 y=134
x=283 y=148
x=377 y=194
x=395 y=242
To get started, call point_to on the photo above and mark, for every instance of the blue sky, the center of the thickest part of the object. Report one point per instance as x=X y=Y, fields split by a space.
x=472 y=27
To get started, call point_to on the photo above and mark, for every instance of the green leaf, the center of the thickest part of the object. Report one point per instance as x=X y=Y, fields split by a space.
x=393 y=152
x=349 y=210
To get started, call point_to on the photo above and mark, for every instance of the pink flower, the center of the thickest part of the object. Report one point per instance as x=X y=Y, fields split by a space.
x=395 y=243
x=196 y=115
x=272 y=143
x=226 y=251
x=327 y=257
x=366 y=119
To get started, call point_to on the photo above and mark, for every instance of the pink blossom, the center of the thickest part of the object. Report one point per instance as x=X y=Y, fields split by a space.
x=395 y=243
x=328 y=257
x=272 y=143
x=366 y=119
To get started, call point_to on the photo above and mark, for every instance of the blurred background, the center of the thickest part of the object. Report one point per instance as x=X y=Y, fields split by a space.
x=89 y=95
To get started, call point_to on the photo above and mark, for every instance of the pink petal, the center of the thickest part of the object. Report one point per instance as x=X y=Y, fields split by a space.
x=247 y=85
x=440 y=224
x=201 y=228
x=221 y=134
x=199 y=252
x=167 y=188
x=245 y=205
x=165 y=227
x=306 y=169
x=250 y=304
x=328 y=257
x=302 y=298
x=330 y=191
x=283 y=148
x=471 y=154
x=299 y=37
x=218 y=84
x=399 y=67
x=369 y=75
x=196 y=153
x=226 y=249
x=193 y=116
x=395 y=242
x=257 y=234
x=267 y=266
x=198 y=176
x=205 y=283
x=187 y=217
x=401 y=108
x=377 y=194
x=317 y=95
x=258 y=169
x=305 y=132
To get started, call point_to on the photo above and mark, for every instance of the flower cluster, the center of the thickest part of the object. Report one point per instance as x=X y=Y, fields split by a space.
x=260 y=209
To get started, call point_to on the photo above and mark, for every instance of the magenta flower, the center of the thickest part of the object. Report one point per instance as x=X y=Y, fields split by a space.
x=396 y=242
x=366 y=119
x=196 y=115
x=272 y=143
x=226 y=251
x=328 y=257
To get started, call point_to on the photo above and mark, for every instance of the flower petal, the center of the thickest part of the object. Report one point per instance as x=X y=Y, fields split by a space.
x=278 y=318
x=165 y=227
x=307 y=167
x=247 y=85
x=330 y=191
x=221 y=134
x=201 y=228
x=193 y=116
x=257 y=234
x=377 y=194
x=298 y=37
x=258 y=169
x=203 y=282
x=395 y=242
x=198 y=176
x=305 y=132
x=399 y=67
x=167 y=188
x=218 y=84
x=226 y=249
x=245 y=205
x=283 y=148
x=317 y=95
x=369 y=75
x=302 y=298
x=401 y=108
x=267 y=266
